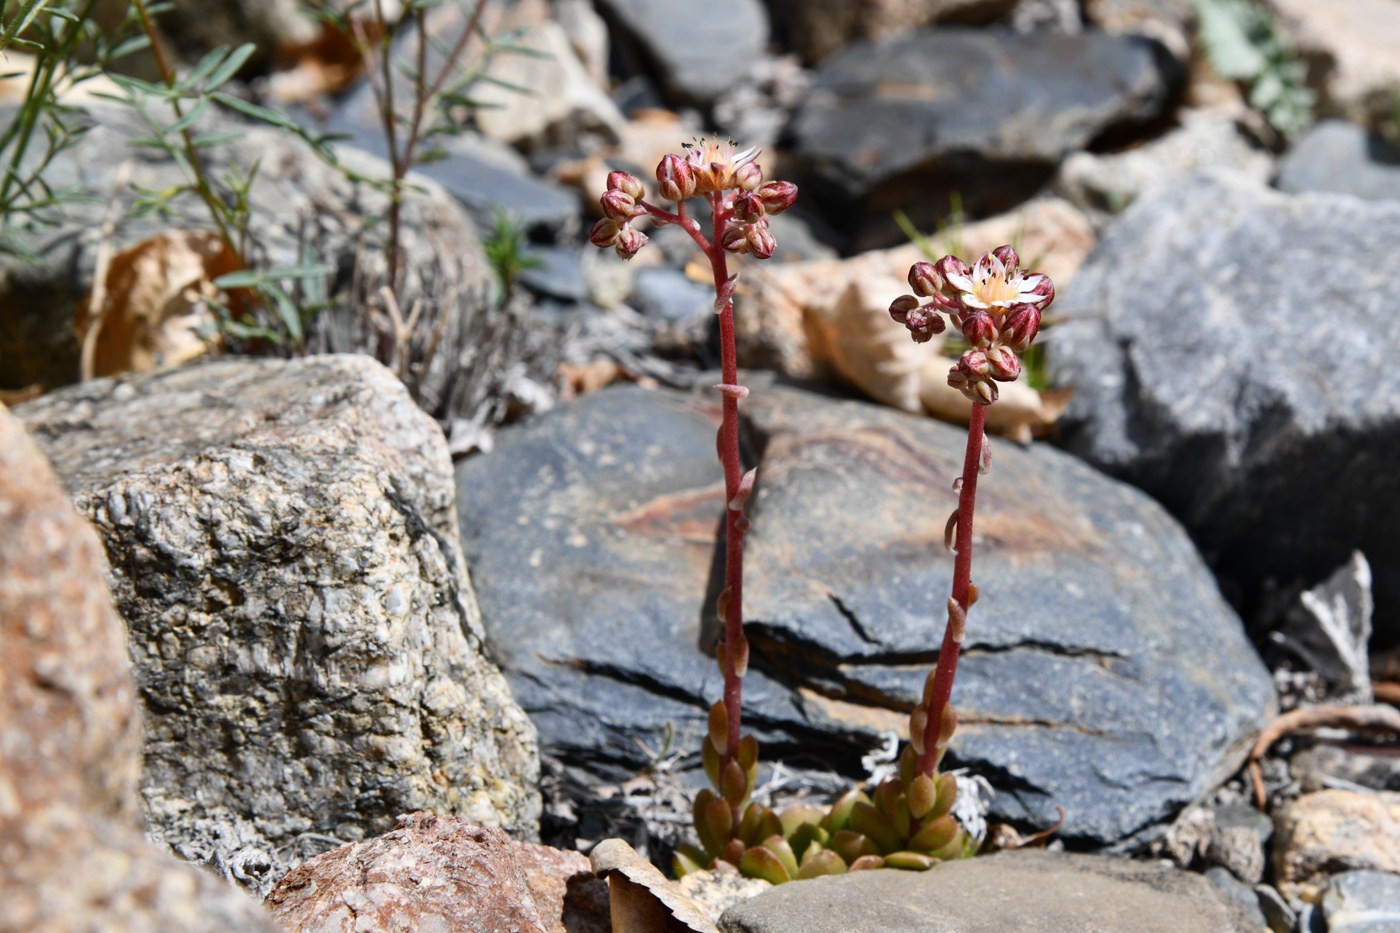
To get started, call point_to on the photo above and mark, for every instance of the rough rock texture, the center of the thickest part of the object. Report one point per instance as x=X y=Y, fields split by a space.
x=1313 y=767
x=699 y=54
x=1135 y=688
x=591 y=536
x=1363 y=902
x=816 y=28
x=439 y=874
x=1027 y=890
x=1341 y=157
x=1350 y=50
x=1235 y=353
x=903 y=122
x=71 y=852
x=295 y=196
x=1102 y=185
x=303 y=632
x=1331 y=831
x=717 y=891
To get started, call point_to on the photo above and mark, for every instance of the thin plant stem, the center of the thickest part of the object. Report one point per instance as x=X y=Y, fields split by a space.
x=962 y=580
x=201 y=181
x=733 y=473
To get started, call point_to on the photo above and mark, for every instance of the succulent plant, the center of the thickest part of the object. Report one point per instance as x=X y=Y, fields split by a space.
x=907 y=823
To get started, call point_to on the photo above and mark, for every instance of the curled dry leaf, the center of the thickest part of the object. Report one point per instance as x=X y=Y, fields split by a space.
x=154 y=308
x=642 y=899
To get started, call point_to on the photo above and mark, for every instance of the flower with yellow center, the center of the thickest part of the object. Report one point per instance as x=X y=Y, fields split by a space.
x=994 y=286
x=715 y=162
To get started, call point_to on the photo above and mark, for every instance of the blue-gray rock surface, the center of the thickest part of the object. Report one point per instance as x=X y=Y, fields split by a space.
x=1025 y=890
x=699 y=52
x=1235 y=352
x=1343 y=158
x=905 y=121
x=1103 y=671
x=1363 y=902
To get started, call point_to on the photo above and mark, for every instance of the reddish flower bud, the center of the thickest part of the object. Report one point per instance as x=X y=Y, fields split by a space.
x=621 y=181
x=979 y=330
x=985 y=392
x=1005 y=367
x=676 y=178
x=1019 y=329
x=957 y=379
x=618 y=205
x=778 y=196
x=761 y=242
x=1008 y=258
x=925 y=280
x=734 y=239
x=629 y=240
x=901 y=306
x=604 y=233
x=951 y=265
x=711 y=177
x=748 y=208
x=748 y=176
x=974 y=363
x=923 y=324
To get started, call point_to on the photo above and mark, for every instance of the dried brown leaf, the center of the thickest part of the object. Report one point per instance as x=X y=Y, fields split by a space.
x=643 y=900
x=154 y=307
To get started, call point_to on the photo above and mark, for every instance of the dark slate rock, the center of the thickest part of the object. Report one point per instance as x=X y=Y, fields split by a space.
x=904 y=121
x=699 y=54
x=671 y=295
x=591 y=533
x=1236 y=353
x=1240 y=893
x=1344 y=158
x=1102 y=671
x=558 y=275
x=1363 y=902
x=1026 y=890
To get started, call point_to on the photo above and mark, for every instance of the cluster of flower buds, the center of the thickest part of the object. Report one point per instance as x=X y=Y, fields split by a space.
x=711 y=169
x=994 y=305
x=620 y=208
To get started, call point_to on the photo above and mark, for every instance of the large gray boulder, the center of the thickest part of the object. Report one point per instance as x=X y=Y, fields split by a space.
x=904 y=122
x=1343 y=158
x=305 y=639
x=1103 y=672
x=699 y=53
x=1235 y=352
x=1027 y=890
x=72 y=856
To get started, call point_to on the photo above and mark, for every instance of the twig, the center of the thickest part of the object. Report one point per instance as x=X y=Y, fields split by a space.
x=1384 y=718
x=1386 y=692
x=97 y=298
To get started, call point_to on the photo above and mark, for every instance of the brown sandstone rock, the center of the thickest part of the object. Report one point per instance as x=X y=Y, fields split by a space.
x=71 y=855
x=1350 y=49
x=1331 y=831
x=441 y=874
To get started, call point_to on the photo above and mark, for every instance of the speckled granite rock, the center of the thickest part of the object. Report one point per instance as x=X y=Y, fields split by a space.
x=71 y=852
x=304 y=635
x=1026 y=890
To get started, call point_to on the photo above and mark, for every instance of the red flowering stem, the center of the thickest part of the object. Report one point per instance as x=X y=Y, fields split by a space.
x=962 y=579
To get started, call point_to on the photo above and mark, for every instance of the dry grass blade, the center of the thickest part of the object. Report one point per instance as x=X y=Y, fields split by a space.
x=1383 y=718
